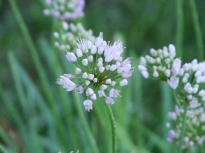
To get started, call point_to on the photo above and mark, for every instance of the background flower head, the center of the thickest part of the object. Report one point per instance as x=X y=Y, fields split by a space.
x=64 y=9
x=68 y=34
x=195 y=127
x=161 y=64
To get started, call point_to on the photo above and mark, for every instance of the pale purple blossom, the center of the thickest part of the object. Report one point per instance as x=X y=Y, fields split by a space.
x=101 y=93
x=89 y=92
x=88 y=105
x=78 y=71
x=66 y=83
x=71 y=57
x=109 y=100
x=114 y=93
x=176 y=66
x=126 y=61
x=124 y=82
x=173 y=82
x=100 y=69
x=79 y=89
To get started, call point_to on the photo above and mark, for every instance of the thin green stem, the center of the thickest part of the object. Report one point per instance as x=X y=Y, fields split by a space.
x=183 y=128
x=38 y=65
x=166 y=105
x=180 y=30
x=33 y=51
x=199 y=37
x=84 y=123
x=113 y=126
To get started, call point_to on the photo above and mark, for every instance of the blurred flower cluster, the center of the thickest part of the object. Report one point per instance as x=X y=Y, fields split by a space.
x=67 y=32
x=195 y=127
x=162 y=64
x=188 y=83
x=188 y=80
x=64 y=9
x=100 y=68
x=191 y=83
x=66 y=37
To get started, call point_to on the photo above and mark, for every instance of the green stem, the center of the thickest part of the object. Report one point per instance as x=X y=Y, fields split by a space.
x=183 y=128
x=85 y=124
x=38 y=65
x=166 y=105
x=113 y=126
x=199 y=37
x=180 y=30
x=33 y=51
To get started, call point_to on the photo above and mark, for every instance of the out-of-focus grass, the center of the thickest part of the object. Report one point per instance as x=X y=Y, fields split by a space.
x=37 y=115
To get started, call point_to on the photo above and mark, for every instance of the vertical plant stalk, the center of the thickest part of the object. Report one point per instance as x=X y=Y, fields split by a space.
x=85 y=124
x=180 y=30
x=33 y=51
x=183 y=128
x=113 y=126
x=166 y=94
x=38 y=65
x=199 y=37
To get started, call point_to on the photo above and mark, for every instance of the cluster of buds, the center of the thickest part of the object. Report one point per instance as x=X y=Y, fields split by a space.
x=66 y=38
x=191 y=83
x=194 y=129
x=162 y=64
x=64 y=9
x=100 y=68
x=188 y=80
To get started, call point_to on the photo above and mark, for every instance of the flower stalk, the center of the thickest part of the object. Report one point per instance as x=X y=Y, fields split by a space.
x=113 y=126
x=183 y=128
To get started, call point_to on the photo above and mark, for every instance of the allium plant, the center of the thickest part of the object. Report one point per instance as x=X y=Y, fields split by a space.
x=100 y=69
x=66 y=37
x=64 y=9
x=188 y=80
x=194 y=133
x=188 y=83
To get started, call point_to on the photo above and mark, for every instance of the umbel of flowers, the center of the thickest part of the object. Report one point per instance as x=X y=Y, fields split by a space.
x=64 y=9
x=190 y=86
x=66 y=37
x=100 y=69
x=188 y=80
x=195 y=127
x=161 y=65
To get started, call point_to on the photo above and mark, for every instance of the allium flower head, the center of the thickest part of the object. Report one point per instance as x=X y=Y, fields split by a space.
x=64 y=9
x=191 y=86
x=100 y=68
x=195 y=127
x=188 y=80
x=66 y=40
x=162 y=65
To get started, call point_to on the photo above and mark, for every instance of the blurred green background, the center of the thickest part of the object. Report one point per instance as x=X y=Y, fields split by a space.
x=37 y=116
